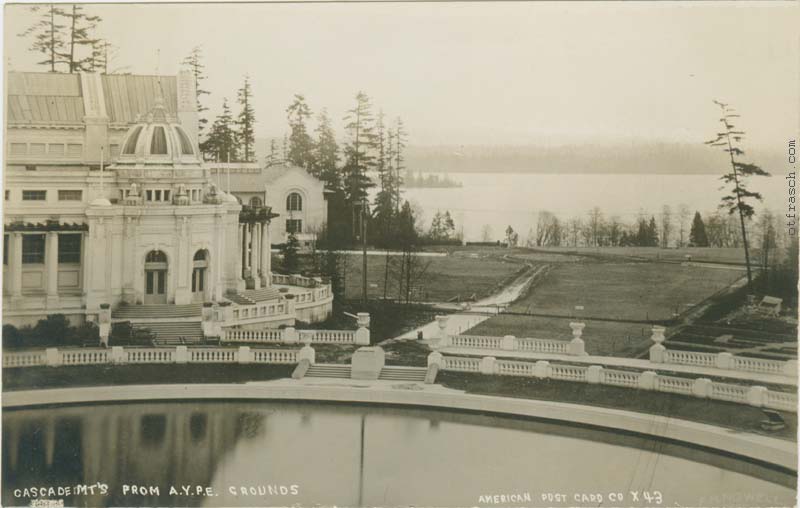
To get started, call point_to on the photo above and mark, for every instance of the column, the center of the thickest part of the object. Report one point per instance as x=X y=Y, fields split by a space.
x=15 y=263
x=51 y=263
x=248 y=231
x=244 y=249
x=265 y=256
x=255 y=255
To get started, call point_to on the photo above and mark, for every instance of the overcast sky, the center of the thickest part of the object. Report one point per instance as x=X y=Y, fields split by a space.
x=481 y=73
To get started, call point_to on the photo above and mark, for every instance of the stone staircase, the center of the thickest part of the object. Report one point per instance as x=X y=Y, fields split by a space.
x=174 y=333
x=416 y=374
x=409 y=374
x=252 y=296
x=148 y=312
x=329 y=371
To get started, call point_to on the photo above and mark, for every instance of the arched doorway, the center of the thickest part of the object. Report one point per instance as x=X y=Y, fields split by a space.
x=155 y=277
x=199 y=275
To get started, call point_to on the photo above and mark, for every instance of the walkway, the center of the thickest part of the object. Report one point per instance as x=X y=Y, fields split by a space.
x=478 y=311
x=612 y=361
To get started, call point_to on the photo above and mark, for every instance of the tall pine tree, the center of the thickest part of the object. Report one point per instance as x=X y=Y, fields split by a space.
x=221 y=143
x=697 y=234
x=48 y=34
x=301 y=146
x=326 y=154
x=80 y=30
x=246 y=122
x=194 y=61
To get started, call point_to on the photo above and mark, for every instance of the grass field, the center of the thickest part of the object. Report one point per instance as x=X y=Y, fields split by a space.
x=633 y=291
x=445 y=278
x=704 y=254
x=601 y=337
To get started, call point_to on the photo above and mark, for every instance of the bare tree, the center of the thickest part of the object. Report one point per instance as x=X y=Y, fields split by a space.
x=595 y=225
x=666 y=225
x=683 y=220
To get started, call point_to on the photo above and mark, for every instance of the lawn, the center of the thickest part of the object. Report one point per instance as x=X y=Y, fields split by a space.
x=604 y=338
x=704 y=254
x=618 y=290
x=446 y=277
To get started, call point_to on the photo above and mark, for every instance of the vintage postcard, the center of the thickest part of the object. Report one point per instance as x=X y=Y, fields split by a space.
x=400 y=254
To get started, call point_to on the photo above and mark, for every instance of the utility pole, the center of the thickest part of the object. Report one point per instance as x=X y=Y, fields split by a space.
x=364 y=251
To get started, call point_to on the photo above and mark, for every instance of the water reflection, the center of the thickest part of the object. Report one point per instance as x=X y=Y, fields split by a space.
x=277 y=454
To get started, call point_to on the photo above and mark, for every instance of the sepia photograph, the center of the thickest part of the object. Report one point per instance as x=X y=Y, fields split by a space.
x=400 y=254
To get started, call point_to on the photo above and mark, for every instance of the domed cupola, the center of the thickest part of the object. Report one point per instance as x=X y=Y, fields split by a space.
x=159 y=139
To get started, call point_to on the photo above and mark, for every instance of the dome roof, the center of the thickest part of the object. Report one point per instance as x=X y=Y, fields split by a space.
x=159 y=139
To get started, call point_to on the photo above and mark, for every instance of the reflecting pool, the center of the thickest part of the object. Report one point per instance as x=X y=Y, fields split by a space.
x=282 y=454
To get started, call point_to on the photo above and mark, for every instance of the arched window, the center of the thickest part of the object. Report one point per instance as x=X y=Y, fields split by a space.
x=130 y=145
x=186 y=145
x=158 y=144
x=156 y=256
x=294 y=202
x=200 y=255
x=255 y=201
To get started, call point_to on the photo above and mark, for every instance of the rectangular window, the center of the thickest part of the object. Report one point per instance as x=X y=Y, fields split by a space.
x=69 y=248
x=70 y=195
x=166 y=195
x=8 y=195
x=149 y=195
x=32 y=249
x=18 y=149
x=114 y=151
x=36 y=149
x=74 y=150
x=34 y=195
x=294 y=225
x=5 y=249
x=158 y=195
x=56 y=150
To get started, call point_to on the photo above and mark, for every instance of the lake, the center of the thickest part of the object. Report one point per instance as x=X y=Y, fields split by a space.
x=502 y=199
x=282 y=454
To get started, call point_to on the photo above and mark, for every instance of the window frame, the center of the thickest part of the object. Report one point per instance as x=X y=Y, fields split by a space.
x=35 y=257
x=69 y=257
x=27 y=197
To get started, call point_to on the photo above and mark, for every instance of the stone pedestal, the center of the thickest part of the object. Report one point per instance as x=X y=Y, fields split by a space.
x=306 y=353
x=367 y=363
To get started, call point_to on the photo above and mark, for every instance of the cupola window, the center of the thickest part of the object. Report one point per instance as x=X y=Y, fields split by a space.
x=186 y=145
x=158 y=144
x=130 y=145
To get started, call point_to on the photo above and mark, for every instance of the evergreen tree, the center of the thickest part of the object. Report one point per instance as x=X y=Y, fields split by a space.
x=301 y=147
x=194 y=61
x=220 y=144
x=697 y=234
x=326 y=154
x=358 y=152
x=652 y=233
x=290 y=250
x=80 y=28
x=736 y=201
x=399 y=137
x=385 y=208
x=246 y=139
x=48 y=34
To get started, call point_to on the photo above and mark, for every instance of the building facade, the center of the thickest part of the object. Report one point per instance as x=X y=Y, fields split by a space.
x=108 y=204
x=295 y=195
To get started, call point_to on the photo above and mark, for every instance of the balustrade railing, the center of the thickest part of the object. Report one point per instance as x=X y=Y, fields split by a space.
x=477 y=341
x=54 y=357
x=758 y=365
x=13 y=359
x=542 y=346
x=328 y=336
x=644 y=380
x=690 y=358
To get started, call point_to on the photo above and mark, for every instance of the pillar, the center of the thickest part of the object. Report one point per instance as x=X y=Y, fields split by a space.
x=266 y=259
x=256 y=255
x=248 y=240
x=242 y=249
x=51 y=264
x=15 y=263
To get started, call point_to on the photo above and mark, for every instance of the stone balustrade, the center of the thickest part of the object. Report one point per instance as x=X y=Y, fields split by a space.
x=724 y=360
x=757 y=396
x=54 y=357
x=574 y=347
x=291 y=335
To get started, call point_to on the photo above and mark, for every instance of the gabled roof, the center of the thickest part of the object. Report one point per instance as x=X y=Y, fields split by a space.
x=246 y=178
x=41 y=97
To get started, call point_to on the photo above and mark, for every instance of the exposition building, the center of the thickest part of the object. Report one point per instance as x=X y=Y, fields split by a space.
x=110 y=209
